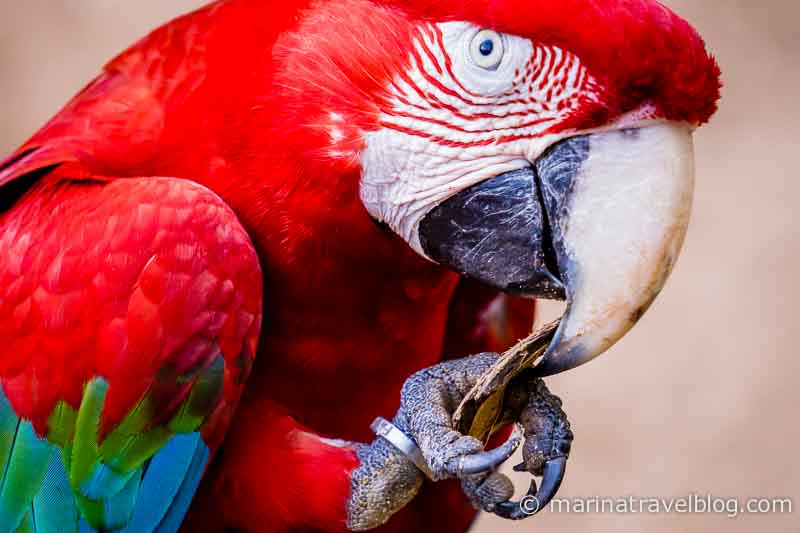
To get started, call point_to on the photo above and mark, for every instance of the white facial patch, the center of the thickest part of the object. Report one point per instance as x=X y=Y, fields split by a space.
x=456 y=119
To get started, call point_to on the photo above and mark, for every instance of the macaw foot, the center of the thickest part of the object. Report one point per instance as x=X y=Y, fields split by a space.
x=548 y=439
x=428 y=401
x=421 y=441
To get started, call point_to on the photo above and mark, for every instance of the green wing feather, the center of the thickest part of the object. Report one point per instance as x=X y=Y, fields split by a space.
x=139 y=478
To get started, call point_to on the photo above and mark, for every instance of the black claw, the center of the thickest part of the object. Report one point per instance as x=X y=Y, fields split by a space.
x=551 y=480
x=513 y=510
x=535 y=500
x=522 y=467
x=489 y=460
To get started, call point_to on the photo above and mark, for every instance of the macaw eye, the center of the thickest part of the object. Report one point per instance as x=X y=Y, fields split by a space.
x=486 y=49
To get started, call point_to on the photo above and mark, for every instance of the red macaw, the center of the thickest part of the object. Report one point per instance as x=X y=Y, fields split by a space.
x=274 y=221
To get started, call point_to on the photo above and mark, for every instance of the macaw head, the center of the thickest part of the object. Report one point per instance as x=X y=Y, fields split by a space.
x=543 y=147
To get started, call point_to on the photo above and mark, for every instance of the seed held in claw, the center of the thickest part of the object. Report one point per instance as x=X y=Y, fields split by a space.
x=480 y=414
x=482 y=407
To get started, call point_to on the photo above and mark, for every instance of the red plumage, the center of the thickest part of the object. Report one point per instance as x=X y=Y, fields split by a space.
x=638 y=49
x=121 y=279
x=235 y=97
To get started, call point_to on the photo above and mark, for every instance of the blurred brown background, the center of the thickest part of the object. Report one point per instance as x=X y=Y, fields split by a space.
x=700 y=397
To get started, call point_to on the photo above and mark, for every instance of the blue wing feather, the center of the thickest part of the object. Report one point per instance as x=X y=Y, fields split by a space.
x=163 y=480
x=180 y=504
x=36 y=496
x=54 y=508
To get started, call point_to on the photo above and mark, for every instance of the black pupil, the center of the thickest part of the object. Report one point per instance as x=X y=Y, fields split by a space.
x=487 y=47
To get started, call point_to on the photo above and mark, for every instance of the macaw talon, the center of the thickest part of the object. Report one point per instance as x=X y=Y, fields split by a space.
x=488 y=460
x=512 y=510
x=536 y=499
x=548 y=440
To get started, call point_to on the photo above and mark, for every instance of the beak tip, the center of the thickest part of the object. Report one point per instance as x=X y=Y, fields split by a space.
x=557 y=360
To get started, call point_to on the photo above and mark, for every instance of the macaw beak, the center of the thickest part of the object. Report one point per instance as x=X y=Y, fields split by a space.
x=598 y=220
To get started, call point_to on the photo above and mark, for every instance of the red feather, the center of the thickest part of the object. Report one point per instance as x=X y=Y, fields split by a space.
x=119 y=280
x=637 y=49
